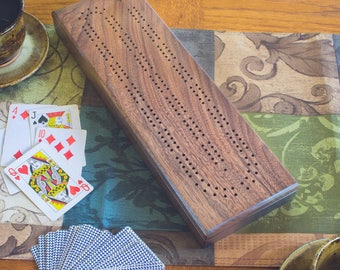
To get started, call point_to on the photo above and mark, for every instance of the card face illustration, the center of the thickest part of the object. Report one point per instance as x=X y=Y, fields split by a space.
x=69 y=143
x=46 y=179
x=66 y=117
x=11 y=187
x=17 y=139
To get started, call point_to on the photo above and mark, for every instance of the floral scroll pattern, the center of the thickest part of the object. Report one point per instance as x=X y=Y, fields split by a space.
x=313 y=161
x=287 y=87
x=314 y=58
x=19 y=238
x=289 y=74
x=59 y=81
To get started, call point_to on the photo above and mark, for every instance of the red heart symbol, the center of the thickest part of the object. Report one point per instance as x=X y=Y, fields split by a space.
x=74 y=190
x=17 y=177
x=23 y=170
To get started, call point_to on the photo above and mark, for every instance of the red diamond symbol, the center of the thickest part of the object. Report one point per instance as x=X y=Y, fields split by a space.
x=70 y=140
x=68 y=154
x=50 y=139
x=59 y=147
x=24 y=115
x=18 y=154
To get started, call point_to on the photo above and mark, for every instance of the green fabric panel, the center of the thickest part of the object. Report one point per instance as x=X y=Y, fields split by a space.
x=309 y=147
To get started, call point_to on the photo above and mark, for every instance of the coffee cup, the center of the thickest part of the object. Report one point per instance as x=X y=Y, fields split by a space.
x=12 y=30
x=328 y=256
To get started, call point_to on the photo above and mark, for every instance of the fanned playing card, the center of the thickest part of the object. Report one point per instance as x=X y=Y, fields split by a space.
x=2 y=135
x=36 y=256
x=94 y=245
x=41 y=251
x=60 y=239
x=47 y=180
x=58 y=117
x=86 y=247
x=29 y=124
x=17 y=135
x=81 y=237
x=134 y=254
x=69 y=143
x=11 y=187
x=108 y=248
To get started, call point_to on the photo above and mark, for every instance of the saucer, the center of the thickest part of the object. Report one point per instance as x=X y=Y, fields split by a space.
x=302 y=258
x=33 y=53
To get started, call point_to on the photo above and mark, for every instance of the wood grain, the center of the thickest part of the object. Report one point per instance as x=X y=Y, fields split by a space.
x=216 y=170
x=30 y=265
x=295 y=16
x=265 y=249
x=242 y=15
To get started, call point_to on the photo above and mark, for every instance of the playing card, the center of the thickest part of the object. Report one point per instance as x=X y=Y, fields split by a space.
x=134 y=257
x=11 y=187
x=81 y=237
x=70 y=143
x=58 y=117
x=92 y=247
x=17 y=135
x=88 y=248
x=49 y=249
x=35 y=253
x=141 y=266
x=109 y=247
x=47 y=180
x=56 y=244
x=134 y=253
x=137 y=266
x=2 y=136
x=41 y=252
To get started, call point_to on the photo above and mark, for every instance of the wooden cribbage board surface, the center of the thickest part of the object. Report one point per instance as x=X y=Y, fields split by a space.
x=216 y=169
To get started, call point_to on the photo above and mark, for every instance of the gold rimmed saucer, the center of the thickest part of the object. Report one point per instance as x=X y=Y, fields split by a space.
x=32 y=55
x=302 y=258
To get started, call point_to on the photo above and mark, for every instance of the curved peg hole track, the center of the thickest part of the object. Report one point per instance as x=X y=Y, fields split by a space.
x=183 y=113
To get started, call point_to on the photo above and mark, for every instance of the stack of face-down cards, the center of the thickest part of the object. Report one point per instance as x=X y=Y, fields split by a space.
x=84 y=247
x=43 y=153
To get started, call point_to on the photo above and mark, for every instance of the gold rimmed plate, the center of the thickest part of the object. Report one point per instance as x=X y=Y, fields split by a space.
x=302 y=258
x=32 y=55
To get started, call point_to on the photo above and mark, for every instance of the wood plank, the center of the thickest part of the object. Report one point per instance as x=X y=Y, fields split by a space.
x=261 y=249
x=256 y=16
x=30 y=265
x=215 y=168
x=267 y=15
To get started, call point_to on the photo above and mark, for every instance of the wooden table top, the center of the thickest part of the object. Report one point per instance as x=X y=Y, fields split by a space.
x=242 y=15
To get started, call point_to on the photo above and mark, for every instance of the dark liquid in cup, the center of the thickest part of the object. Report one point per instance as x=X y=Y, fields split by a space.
x=9 y=10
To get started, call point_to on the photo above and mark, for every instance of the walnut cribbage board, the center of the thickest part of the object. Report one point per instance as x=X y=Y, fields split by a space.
x=215 y=168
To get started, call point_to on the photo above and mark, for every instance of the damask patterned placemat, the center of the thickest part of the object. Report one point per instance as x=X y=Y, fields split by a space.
x=285 y=85
x=294 y=74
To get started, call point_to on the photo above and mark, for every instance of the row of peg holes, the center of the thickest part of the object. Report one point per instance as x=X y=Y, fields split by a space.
x=151 y=116
x=183 y=73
